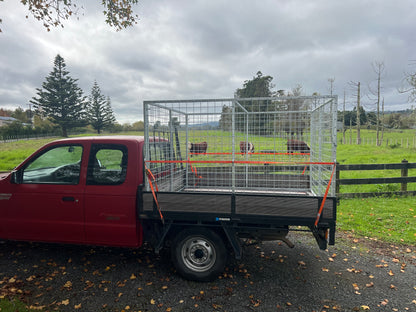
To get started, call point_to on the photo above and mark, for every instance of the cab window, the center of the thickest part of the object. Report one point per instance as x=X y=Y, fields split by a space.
x=58 y=165
x=107 y=164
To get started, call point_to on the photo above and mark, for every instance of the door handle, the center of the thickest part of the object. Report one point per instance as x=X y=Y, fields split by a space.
x=68 y=199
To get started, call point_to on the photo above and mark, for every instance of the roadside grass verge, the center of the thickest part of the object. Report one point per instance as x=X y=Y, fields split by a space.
x=13 y=153
x=391 y=219
x=13 y=305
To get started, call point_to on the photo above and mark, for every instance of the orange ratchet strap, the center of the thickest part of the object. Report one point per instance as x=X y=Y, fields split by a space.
x=324 y=199
x=195 y=172
x=151 y=177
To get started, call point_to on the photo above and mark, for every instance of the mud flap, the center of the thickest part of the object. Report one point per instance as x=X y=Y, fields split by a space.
x=321 y=236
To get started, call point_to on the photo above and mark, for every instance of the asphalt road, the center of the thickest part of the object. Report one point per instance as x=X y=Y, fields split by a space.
x=353 y=275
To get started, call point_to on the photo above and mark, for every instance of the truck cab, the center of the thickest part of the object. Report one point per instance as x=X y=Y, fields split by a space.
x=79 y=190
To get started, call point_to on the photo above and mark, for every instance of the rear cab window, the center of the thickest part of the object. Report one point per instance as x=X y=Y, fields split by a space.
x=107 y=164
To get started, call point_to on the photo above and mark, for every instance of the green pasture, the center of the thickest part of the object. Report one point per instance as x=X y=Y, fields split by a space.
x=387 y=219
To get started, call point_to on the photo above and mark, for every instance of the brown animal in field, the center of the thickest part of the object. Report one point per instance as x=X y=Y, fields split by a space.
x=197 y=148
x=294 y=146
x=246 y=147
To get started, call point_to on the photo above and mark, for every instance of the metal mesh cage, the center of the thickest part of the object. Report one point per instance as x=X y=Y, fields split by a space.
x=279 y=144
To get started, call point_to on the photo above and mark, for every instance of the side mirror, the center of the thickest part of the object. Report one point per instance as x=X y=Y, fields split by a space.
x=14 y=179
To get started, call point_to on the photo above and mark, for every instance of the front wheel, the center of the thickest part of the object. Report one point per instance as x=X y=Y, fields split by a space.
x=199 y=254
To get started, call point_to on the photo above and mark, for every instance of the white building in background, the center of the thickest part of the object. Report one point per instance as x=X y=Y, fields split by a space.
x=6 y=120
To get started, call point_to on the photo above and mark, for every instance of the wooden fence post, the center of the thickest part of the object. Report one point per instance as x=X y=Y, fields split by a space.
x=337 y=175
x=404 y=173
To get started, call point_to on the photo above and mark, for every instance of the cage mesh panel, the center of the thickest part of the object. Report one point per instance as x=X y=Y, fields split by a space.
x=241 y=145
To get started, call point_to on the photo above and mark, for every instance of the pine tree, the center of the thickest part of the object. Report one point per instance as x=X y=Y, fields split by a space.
x=61 y=99
x=99 y=112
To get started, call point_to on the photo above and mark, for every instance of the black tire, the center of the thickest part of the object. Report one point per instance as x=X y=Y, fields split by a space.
x=199 y=254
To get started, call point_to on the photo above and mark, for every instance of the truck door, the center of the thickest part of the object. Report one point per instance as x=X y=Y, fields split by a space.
x=110 y=197
x=47 y=200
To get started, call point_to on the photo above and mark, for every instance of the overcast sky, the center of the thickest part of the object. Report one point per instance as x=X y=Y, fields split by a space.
x=207 y=49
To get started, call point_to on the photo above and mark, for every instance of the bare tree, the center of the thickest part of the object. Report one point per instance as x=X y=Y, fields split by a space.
x=410 y=81
x=378 y=68
x=358 y=86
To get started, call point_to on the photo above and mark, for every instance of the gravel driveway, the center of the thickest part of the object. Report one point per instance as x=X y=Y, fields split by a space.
x=353 y=275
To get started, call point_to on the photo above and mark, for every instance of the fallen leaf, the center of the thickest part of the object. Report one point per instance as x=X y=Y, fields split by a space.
x=391 y=273
x=152 y=301
x=65 y=302
x=77 y=306
x=364 y=307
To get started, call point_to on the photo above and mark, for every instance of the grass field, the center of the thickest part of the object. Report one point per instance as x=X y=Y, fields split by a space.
x=388 y=219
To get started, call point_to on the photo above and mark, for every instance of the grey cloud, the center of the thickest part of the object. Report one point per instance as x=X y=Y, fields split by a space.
x=181 y=49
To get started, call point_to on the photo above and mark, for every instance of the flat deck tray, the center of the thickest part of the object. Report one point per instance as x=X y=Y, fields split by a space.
x=287 y=204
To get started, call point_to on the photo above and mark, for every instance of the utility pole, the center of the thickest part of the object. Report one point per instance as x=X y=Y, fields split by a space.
x=343 y=120
x=30 y=113
x=358 y=114
x=331 y=85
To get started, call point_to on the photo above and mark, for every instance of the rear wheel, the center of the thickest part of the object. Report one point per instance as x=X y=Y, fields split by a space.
x=199 y=254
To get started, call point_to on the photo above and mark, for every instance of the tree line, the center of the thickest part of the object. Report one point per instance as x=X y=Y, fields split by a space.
x=60 y=104
x=262 y=86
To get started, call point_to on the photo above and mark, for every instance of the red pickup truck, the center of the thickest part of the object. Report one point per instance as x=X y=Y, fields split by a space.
x=92 y=190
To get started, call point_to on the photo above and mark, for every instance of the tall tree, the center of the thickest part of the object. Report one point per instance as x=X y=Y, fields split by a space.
x=99 y=112
x=225 y=122
x=119 y=14
x=259 y=86
x=61 y=99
